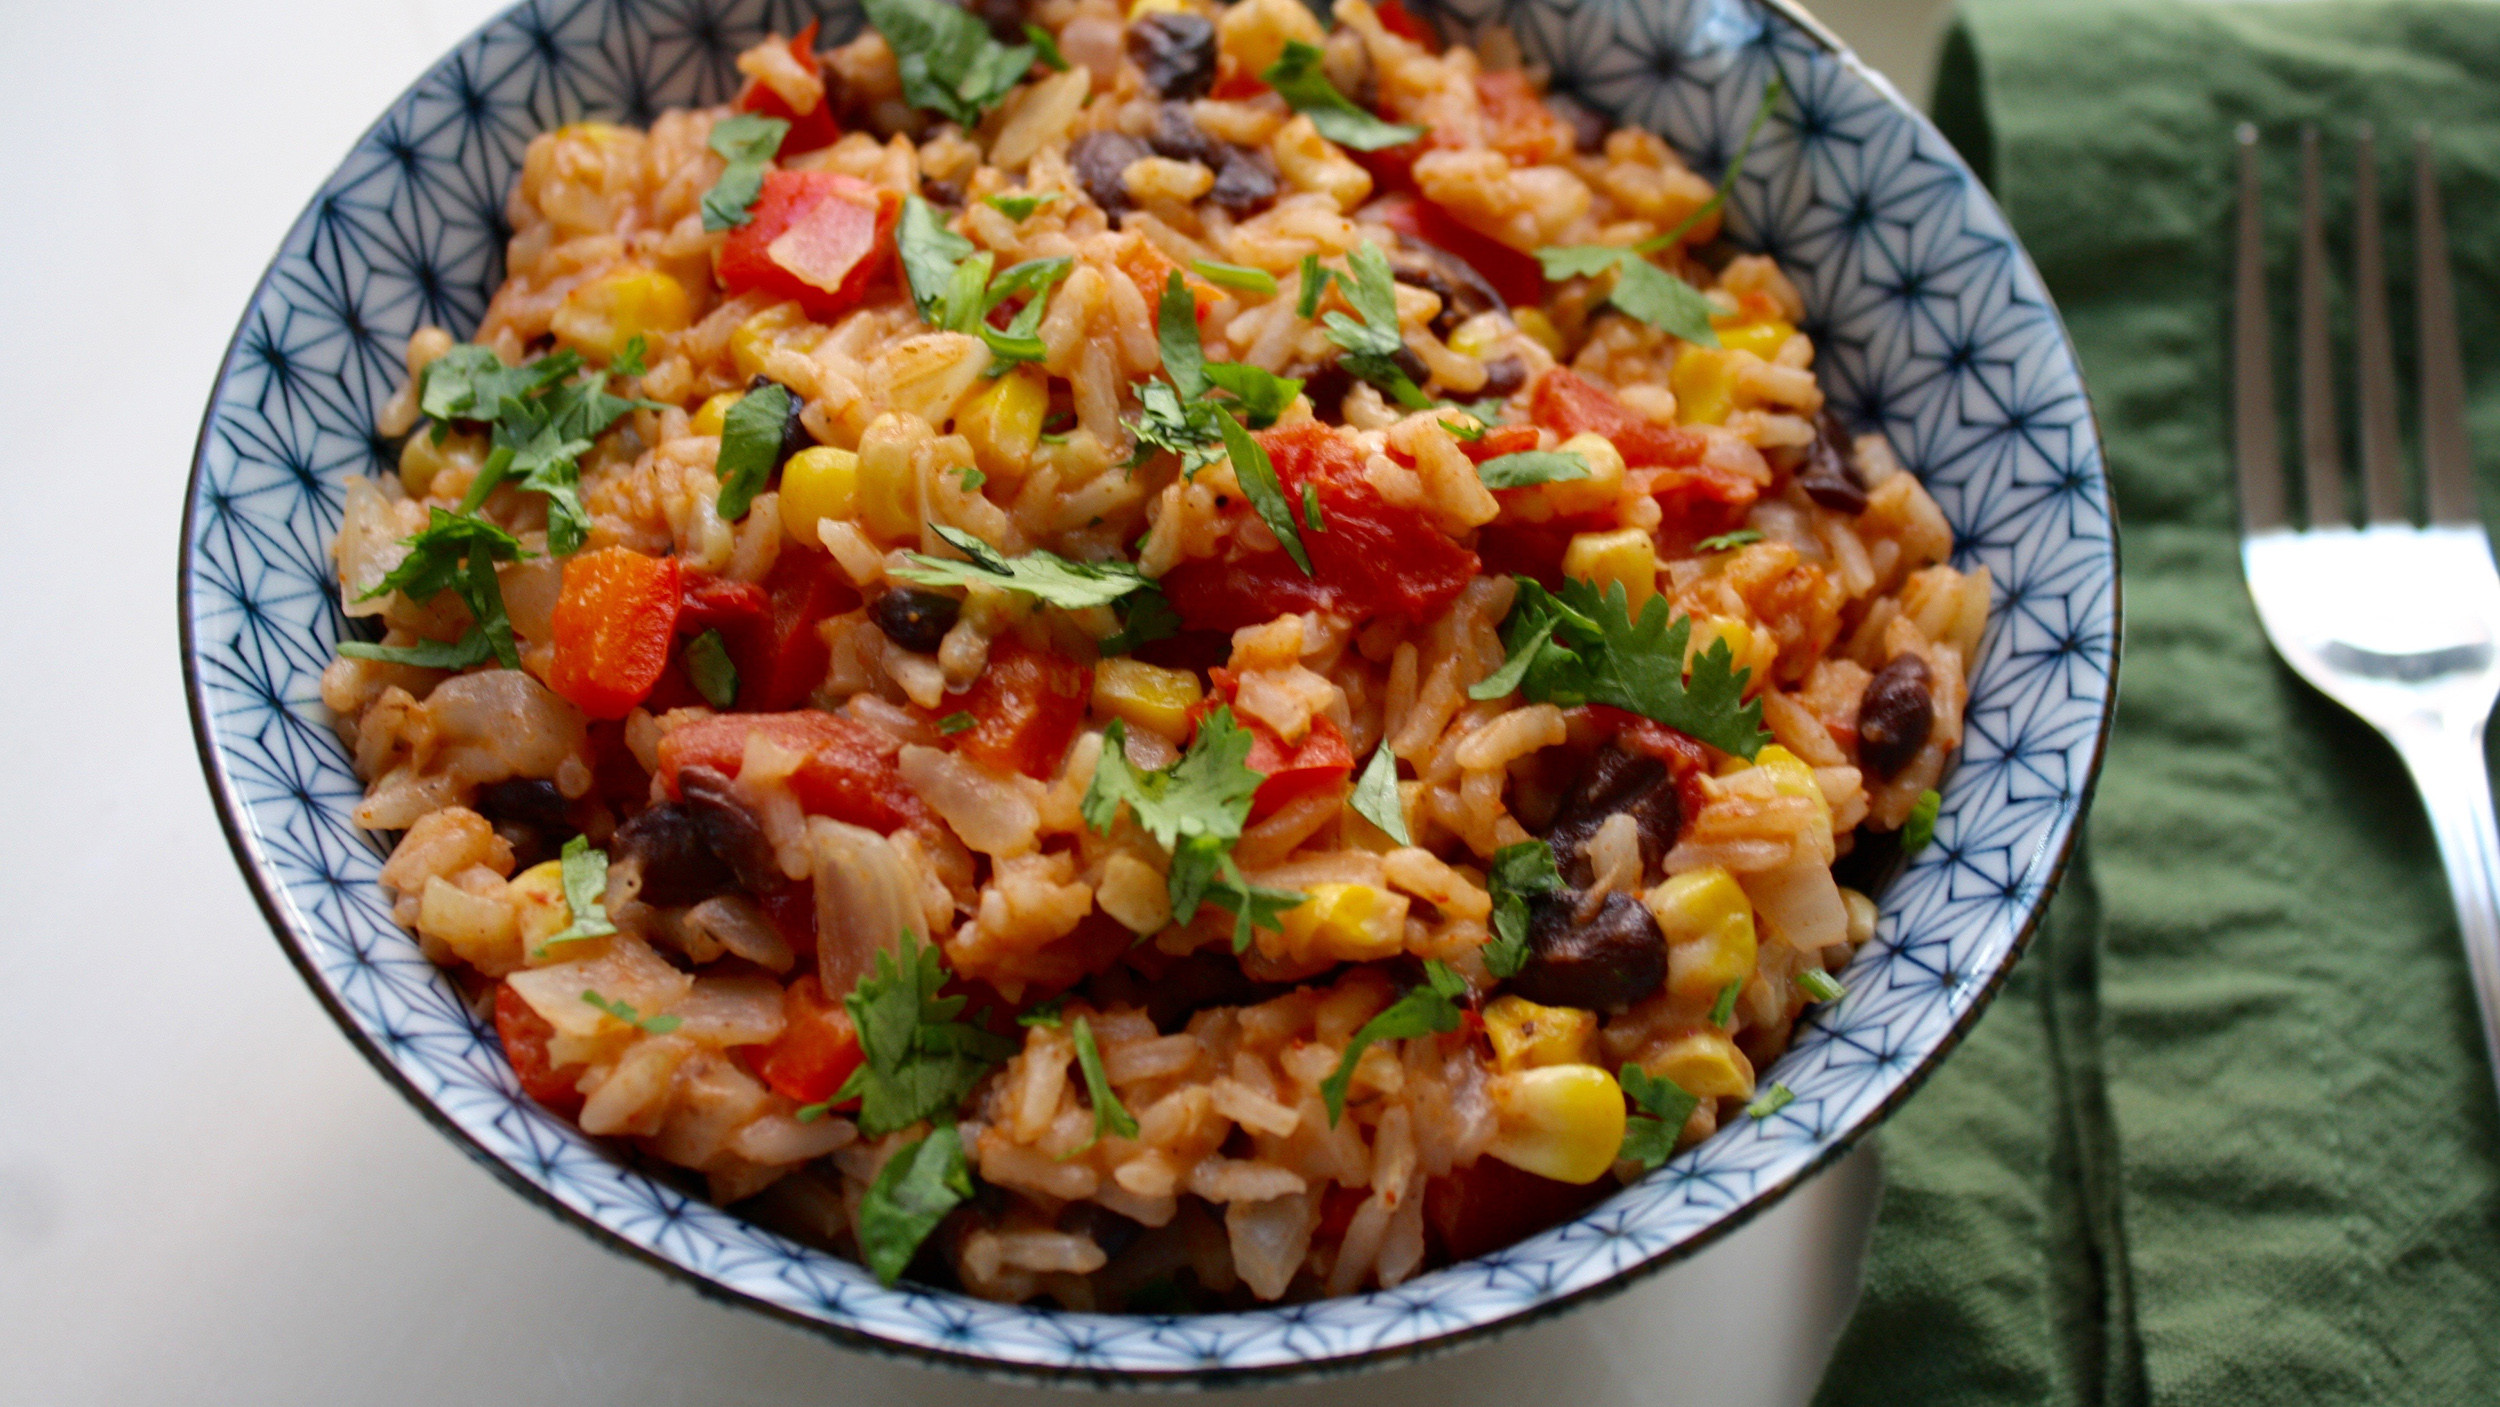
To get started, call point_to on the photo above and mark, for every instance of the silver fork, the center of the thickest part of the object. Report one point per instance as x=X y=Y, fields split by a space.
x=2396 y=622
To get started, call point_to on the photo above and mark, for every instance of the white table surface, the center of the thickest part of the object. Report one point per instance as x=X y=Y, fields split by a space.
x=205 y=1195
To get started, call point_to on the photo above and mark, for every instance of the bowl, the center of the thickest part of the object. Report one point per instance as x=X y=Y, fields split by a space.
x=1932 y=326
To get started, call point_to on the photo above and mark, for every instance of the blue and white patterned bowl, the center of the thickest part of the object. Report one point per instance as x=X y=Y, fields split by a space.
x=1933 y=325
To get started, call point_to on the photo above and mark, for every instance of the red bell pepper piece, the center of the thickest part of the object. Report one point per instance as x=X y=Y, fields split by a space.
x=1026 y=708
x=1323 y=759
x=809 y=130
x=614 y=618
x=846 y=775
x=1518 y=277
x=524 y=1035
x=844 y=228
x=818 y=1047
x=1398 y=20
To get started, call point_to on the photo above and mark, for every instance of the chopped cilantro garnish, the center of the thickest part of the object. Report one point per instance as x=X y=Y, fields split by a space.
x=1020 y=208
x=948 y=62
x=1045 y=1013
x=1373 y=344
x=585 y=878
x=1144 y=617
x=1920 y=828
x=470 y=649
x=1772 y=1100
x=458 y=554
x=1240 y=276
x=1376 y=796
x=1259 y=484
x=1194 y=808
x=919 y=1185
x=630 y=361
x=622 y=1011
x=1520 y=872
x=1179 y=414
x=470 y=382
x=750 y=446
x=954 y=723
x=1727 y=180
x=708 y=665
x=1725 y=1007
x=929 y=252
x=747 y=142
x=1535 y=466
x=1470 y=431
x=1110 y=1115
x=1580 y=646
x=1311 y=518
x=543 y=423
x=1729 y=542
x=1045 y=576
x=1297 y=78
x=968 y=478
x=1819 y=985
x=1428 y=1009
x=1649 y=1136
x=1314 y=286
x=918 y=1061
x=1045 y=47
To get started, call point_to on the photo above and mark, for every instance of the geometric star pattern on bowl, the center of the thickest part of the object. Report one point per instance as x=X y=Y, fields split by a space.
x=1932 y=327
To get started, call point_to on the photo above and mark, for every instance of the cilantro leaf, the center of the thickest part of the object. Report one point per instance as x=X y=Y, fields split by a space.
x=1183 y=417
x=1920 y=828
x=923 y=1181
x=469 y=650
x=1045 y=576
x=623 y=1011
x=709 y=667
x=1176 y=334
x=1110 y=1115
x=957 y=722
x=470 y=382
x=1259 y=484
x=1772 y=1100
x=1536 y=466
x=1724 y=1008
x=542 y=424
x=1045 y=47
x=1727 y=180
x=1262 y=395
x=1206 y=792
x=1241 y=276
x=458 y=553
x=1583 y=646
x=1819 y=985
x=1019 y=208
x=1376 y=796
x=1297 y=78
x=1314 y=286
x=929 y=252
x=585 y=885
x=750 y=447
x=1649 y=1136
x=1729 y=542
x=630 y=361
x=918 y=1061
x=1429 y=1009
x=948 y=62
x=1520 y=872
x=1471 y=432
x=1642 y=289
x=748 y=142
x=1373 y=345
x=1253 y=906
x=1044 y=1013
x=1019 y=340
x=1144 y=616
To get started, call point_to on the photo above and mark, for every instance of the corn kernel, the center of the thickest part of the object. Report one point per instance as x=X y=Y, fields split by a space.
x=759 y=335
x=1540 y=328
x=713 y=414
x=1559 y=1121
x=889 y=487
x=1705 y=1061
x=1709 y=630
x=820 y=484
x=1143 y=8
x=1861 y=915
x=1763 y=337
x=1597 y=492
x=600 y=317
x=537 y=896
x=1625 y=557
x=1144 y=695
x=1004 y=423
x=1704 y=382
x=1790 y=776
x=1345 y=922
x=1527 y=1036
x=1708 y=923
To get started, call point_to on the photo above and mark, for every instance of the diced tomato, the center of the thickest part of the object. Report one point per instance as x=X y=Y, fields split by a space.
x=809 y=130
x=614 y=618
x=1235 y=82
x=717 y=603
x=1025 y=707
x=1533 y=550
x=1490 y=1204
x=863 y=223
x=847 y=774
x=1395 y=18
x=783 y=657
x=1372 y=558
x=1500 y=440
x=1700 y=502
x=1517 y=122
x=1147 y=267
x=1336 y=1211
x=1321 y=760
x=1515 y=275
x=525 y=1034
x=1570 y=404
x=792 y=909
x=818 y=1047
x=1687 y=758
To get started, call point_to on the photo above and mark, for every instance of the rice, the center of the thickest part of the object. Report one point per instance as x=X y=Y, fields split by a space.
x=1161 y=1100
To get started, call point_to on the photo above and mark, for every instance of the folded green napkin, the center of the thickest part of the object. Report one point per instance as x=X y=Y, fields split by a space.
x=2229 y=1135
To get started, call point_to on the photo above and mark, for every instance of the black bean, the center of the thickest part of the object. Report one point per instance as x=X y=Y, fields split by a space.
x=1327 y=387
x=1504 y=376
x=529 y=800
x=1588 y=126
x=1413 y=365
x=667 y=844
x=1100 y=160
x=1613 y=960
x=794 y=436
x=1201 y=980
x=1005 y=18
x=1895 y=715
x=1177 y=135
x=1829 y=474
x=1617 y=782
x=730 y=830
x=937 y=192
x=1175 y=52
x=916 y=619
x=1245 y=182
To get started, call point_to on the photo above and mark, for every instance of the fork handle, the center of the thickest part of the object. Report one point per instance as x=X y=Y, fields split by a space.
x=2448 y=768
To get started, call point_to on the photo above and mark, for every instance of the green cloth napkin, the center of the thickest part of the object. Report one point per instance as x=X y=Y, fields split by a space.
x=2228 y=1137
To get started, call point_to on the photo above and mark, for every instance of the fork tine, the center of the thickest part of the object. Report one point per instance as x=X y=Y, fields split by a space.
x=2322 y=459
x=2260 y=459
x=2445 y=453
x=2382 y=475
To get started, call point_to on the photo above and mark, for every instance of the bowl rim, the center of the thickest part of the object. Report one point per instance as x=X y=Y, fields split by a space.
x=1838 y=1145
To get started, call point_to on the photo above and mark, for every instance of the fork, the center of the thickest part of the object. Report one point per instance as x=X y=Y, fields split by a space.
x=2394 y=621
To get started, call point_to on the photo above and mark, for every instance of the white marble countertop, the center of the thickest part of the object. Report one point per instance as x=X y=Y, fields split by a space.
x=205 y=1194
